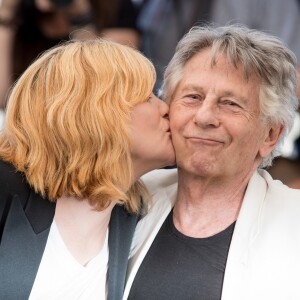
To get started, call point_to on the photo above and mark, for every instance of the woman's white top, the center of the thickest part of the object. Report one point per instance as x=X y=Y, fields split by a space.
x=61 y=276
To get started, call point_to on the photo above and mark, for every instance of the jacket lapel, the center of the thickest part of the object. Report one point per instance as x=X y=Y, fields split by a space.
x=22 y=245
x=121 y=229
x=147 y=230
x=245 y=232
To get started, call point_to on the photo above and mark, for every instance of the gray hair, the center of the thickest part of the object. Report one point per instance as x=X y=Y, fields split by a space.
x=259 y=53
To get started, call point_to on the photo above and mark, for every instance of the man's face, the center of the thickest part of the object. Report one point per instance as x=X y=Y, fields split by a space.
x=215 y=119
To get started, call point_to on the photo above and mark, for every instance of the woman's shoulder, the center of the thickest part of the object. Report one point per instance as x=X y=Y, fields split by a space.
x=12 y=182
x=11 y=178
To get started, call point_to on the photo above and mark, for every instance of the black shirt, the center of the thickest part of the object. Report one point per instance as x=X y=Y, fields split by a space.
x=180 y=267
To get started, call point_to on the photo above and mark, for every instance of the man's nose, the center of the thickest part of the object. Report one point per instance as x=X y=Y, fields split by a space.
x=207 y=114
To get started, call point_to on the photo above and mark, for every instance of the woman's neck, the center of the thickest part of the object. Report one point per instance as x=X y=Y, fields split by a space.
x=82 y=228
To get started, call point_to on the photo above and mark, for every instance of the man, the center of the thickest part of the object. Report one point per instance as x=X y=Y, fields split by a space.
x=175 y=17
x=227 y=230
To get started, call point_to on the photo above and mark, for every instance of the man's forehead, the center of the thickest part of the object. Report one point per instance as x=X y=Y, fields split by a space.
x=210 y=58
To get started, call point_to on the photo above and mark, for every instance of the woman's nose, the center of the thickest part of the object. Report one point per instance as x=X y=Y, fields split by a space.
x=163 y=107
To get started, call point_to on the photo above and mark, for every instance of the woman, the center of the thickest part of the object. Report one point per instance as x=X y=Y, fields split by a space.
x=82 y=126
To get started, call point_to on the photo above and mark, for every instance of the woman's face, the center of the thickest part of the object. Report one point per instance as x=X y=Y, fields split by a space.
x=151 y=145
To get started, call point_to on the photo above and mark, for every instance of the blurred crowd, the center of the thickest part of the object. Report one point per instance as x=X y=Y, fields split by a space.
x=29 y=27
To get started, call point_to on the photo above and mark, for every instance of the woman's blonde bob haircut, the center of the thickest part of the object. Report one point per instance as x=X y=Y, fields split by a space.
x=68 y=122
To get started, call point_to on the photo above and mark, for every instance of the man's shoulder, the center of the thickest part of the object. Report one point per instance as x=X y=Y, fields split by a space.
x=160 y=179
x=280 y=191
x=162 y=185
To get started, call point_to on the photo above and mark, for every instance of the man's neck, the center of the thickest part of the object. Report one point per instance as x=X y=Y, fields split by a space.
x=206 y=206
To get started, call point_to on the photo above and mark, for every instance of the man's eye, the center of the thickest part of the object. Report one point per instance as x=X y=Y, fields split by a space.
x=230 y=103
x=193 y=96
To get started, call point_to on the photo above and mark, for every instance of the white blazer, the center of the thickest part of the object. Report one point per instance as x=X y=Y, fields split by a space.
x=264 y=256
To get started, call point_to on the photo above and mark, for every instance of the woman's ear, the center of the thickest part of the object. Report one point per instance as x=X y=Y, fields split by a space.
x=271 y=139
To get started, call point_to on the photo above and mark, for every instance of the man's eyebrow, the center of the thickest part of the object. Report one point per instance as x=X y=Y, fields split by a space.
x=196 y=88
x=192 y=87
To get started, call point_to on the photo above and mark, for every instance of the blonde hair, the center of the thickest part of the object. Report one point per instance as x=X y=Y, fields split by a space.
x=68 y=118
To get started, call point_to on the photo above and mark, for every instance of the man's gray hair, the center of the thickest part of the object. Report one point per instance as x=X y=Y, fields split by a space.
x=259 y=53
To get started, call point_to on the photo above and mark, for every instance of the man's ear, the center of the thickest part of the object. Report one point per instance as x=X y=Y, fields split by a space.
x=270 y=141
